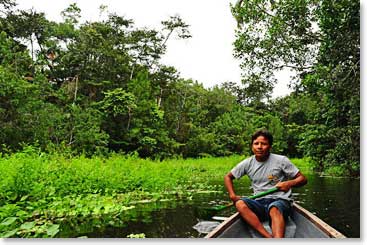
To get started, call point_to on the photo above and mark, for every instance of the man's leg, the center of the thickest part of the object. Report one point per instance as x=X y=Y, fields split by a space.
x=279 y=211
x=277 y=222
x=251 y=218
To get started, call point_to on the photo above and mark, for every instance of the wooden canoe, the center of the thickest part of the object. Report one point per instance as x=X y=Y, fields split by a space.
x=301 y=224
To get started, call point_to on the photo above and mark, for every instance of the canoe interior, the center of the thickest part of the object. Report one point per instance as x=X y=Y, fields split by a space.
x=301 y=224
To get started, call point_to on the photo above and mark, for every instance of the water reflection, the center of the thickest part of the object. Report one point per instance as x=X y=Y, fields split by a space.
x=334 y=200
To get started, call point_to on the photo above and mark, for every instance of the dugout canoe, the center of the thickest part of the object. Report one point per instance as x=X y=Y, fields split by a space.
x=301 y=224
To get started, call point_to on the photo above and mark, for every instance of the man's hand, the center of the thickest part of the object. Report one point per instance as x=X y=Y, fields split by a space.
x=297 y=181
x=284 y=186
x=234 y=198
x=228 y=182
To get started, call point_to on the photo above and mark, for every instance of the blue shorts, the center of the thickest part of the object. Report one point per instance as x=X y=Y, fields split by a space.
x=261 y=207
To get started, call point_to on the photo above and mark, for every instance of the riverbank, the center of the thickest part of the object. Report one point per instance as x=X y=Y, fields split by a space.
x=40 y=192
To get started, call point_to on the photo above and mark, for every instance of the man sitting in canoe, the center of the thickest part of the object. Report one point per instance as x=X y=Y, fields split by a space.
x=265 y=170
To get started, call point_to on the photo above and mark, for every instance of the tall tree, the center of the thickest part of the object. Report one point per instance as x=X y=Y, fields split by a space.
x=319 y=40
x=273 y=35
x=336 y=80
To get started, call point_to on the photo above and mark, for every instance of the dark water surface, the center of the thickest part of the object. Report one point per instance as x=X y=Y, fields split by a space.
x=334 y=200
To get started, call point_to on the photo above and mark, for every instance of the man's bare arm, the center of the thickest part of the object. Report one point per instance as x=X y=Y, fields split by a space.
x=228 y=182
x=298 y=181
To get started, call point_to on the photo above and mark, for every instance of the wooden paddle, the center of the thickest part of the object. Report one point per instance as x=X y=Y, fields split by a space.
x=261 y=194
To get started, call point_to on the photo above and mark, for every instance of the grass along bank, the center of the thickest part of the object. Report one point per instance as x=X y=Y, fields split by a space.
x=39 y=192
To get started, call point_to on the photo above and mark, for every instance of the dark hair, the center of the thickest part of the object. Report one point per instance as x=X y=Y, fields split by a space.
x=265 y=133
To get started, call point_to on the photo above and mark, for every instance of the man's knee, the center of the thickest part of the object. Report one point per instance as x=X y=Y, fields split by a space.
x=274 y=211
x=240 y=204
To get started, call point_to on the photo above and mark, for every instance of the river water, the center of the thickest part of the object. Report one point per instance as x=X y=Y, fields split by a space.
x=334 y=200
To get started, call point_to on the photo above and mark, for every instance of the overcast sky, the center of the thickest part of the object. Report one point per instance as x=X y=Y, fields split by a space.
x=206 y=57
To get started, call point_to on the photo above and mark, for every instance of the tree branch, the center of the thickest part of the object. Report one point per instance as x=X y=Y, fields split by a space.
x=314 y=37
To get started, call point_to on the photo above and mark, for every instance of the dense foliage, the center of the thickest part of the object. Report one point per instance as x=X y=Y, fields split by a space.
x=53 y=195
x=319 y=42
x=99 y=87
x=41 y=194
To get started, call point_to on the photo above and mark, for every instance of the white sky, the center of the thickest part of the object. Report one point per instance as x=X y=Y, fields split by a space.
x=206 y=57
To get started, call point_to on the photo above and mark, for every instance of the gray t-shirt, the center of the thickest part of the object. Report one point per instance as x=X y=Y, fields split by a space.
x=265 y=175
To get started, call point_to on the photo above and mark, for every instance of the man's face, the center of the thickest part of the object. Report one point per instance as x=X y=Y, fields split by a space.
x=261 y=148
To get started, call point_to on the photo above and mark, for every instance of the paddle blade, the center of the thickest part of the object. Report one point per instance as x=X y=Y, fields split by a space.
x=221 y=207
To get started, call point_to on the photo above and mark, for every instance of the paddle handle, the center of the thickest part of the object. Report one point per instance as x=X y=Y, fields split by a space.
x=261 y=194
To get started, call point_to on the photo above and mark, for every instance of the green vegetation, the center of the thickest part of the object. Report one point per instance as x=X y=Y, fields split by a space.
x=305 y=165
x=98 y=87
x=115 y=127
x=140 y=235
x=41 y=192
x=319 y=41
